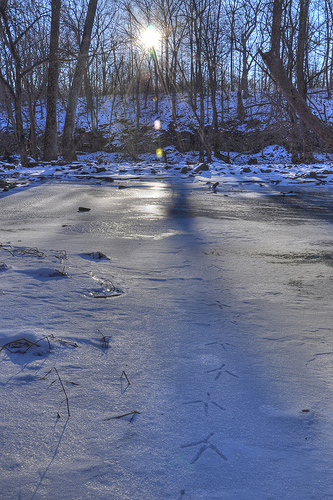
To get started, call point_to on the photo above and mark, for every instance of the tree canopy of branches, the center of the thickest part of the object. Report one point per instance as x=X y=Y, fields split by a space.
x=55 y=52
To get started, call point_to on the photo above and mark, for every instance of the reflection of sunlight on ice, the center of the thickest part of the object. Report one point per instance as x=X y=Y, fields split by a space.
x=157 y=211
x=157 y=190
x=147 y=190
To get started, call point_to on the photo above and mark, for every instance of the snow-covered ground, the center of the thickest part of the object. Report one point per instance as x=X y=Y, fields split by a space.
x=268 y=169
x=164 y=336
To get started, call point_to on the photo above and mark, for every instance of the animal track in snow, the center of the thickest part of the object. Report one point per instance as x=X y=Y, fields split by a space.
x=221 y=344
x=219 y=371
x=206 y=402
x=205 y=446
x=317 y=354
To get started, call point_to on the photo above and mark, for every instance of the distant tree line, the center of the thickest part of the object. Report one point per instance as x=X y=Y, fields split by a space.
x=58 y=50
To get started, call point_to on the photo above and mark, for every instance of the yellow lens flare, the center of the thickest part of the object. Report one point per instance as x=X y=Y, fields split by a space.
x=159 y=153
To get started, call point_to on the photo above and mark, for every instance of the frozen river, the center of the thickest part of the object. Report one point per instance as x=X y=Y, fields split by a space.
x=217 y=383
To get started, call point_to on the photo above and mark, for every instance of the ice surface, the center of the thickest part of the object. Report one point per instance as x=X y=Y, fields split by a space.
x=191 y=331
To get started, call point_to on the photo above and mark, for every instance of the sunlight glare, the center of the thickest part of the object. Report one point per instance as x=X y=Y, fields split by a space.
x=150 y=36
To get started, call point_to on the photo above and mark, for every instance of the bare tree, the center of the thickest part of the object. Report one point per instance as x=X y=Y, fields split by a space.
x=173 y=29
x=328 y=14
x=232 y=6
x=213 y=43
x=18 y=59
x=247 y=26
x=68 y=146
x=302 y=45
x=274 y=63
x=51 y=128
x=196 y=22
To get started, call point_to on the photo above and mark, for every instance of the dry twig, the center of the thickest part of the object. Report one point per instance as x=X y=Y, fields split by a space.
x=133 y=413
x=16 y=345
x=105 y=340
x=62 y=387
x=124 y=373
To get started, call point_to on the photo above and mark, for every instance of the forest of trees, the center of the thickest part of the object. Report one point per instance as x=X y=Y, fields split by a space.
x=55 y=51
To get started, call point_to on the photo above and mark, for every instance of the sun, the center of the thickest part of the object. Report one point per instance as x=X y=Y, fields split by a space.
x=150 y=36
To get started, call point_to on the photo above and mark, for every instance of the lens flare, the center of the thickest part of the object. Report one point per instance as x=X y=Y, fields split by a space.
x=159 y=153
x=150 y=36
x=157 y=124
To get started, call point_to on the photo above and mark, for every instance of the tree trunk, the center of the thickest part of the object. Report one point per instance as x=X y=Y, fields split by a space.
x=274 y=63
x=16 y=90
x=327 y=54
x=203 y=140
x=91 y=115
x=8 y=103
x=137 y=106
x=215 y=120
x=301 y=64
x=173 y=74
x=193 y=89
x=293 y=140
x=293 y=97
x=202 y=109
x=68 y=147
x=156 y=71
x=232 y=41
x=19 y=129
x=51 y=126
x=245 y=70
x=301 y=48
x=240 y=104
x=32 y=132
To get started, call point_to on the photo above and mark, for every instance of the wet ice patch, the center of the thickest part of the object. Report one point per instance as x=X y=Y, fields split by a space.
x=104 y=288
x=104 y=291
